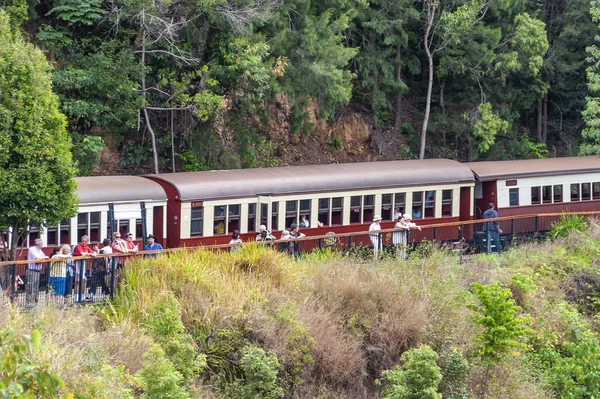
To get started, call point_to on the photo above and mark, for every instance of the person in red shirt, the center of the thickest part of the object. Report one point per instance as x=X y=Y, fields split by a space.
x=83 y=249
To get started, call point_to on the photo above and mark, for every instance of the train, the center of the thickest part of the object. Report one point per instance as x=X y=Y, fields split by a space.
x=188 y=209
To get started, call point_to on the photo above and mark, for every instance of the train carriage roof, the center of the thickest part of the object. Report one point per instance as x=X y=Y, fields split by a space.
x=502 y=170
x=287 y=180
x=105 y=189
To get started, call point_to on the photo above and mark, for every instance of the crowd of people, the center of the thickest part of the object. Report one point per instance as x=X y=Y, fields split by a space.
x=68 y=277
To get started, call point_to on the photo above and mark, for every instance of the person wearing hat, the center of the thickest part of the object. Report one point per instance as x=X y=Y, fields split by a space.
x=264 y=234
x=152 y=245
x=374 y=235
x=399 y=237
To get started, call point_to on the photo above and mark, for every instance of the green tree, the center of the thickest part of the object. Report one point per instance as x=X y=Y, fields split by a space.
x=36 y=166
x=503 y=330
x=591 y=113
x=417 y=378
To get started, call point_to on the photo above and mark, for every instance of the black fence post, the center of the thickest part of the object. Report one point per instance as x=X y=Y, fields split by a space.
x=320 y=244
x=144 y=229
x=13 y=281
x=537 y=224
x=435 y=234
x=349 y=241
x=113 y=270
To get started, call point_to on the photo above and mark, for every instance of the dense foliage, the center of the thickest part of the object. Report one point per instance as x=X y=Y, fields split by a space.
x=255 y=323
x=186 y=85
x=36 y=166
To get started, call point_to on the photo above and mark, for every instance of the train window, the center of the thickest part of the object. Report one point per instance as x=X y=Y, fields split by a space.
x=586 y=192
x=233 y=218
x=291 y=212
x=596 y=191
x=535 y=196
x=386 y=207
x=219 y=222
x=138 y=229
x=274 y=213
x=575 y=192
x=557 y=193
x=34 y=233
x=324 y=211
x=368 y=208
x=196 y=221
x=430 y=204
x=336 y=211
x=251 y=217
x=305 y=207
x=355 y=205
x=547 y=194
x=446 y=203
x=417 y=206
x=65 y=232
x=399 y=203
x=123 y=226
x=227 y=219
x=95 y=226
x=513 y=197
x=51 y=235
x=82 y=225
x=264 y=208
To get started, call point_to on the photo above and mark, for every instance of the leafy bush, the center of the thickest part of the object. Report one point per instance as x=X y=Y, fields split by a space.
x=570 y=363
x=159 y=379
x=496 y=314
x=20 y=376
x=454 y=375
x=418 y=378
x=163 y=321
x=566 y=225
x=259 y=379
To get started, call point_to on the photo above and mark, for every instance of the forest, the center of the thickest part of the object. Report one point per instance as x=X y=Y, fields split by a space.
x=180 y=85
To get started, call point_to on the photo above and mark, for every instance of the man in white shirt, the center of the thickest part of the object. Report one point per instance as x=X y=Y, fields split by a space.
x=32 y=289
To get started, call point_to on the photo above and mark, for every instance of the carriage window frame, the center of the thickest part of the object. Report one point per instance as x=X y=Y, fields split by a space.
x=368 y=208
x=513 y=197
x=557 y=193
x=596 y=191
x=429 y=203
x=197 y=219
x=252 y=217
x=229 y=216
x=575 y=192
x=417 y=205
x=356 y=209
x=546 y=194
x=387 y=212
x=586 y=191
x=447 y=203
x=536 y=195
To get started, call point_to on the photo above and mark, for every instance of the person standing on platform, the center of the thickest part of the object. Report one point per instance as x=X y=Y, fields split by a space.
x=492 y=228
x=152 y=245
x=32 y=287
x=374 y=234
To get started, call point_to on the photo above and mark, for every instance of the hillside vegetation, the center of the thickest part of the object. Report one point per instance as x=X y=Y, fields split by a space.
x=185 y=85
x=256 y=324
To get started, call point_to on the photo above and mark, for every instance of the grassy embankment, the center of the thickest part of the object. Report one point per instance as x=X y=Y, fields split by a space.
x=257 y=324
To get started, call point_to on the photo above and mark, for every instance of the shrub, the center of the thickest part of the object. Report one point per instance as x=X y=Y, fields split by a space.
x=20 y=376
x=159 y=379
x=566 y=225
x=259 y=379
x=418 y=378
x=454 y=376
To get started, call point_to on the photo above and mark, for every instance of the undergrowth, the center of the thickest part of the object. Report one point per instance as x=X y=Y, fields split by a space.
x=256 y=323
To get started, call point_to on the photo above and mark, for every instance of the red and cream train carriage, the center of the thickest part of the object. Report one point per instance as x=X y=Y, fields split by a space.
x=206 y=207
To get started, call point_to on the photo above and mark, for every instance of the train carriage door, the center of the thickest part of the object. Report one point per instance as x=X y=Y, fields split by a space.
x=157 y=224
x=264 y=211
x=485 y=192
x=465 y=203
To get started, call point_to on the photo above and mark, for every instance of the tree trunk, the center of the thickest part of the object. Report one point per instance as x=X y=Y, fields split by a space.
x=443 y=106
x=539 y=121
x=545 y=120
x=430 y=17
x=427 y=104
x=146 y=116
x=398 y=111
x=172 y=141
